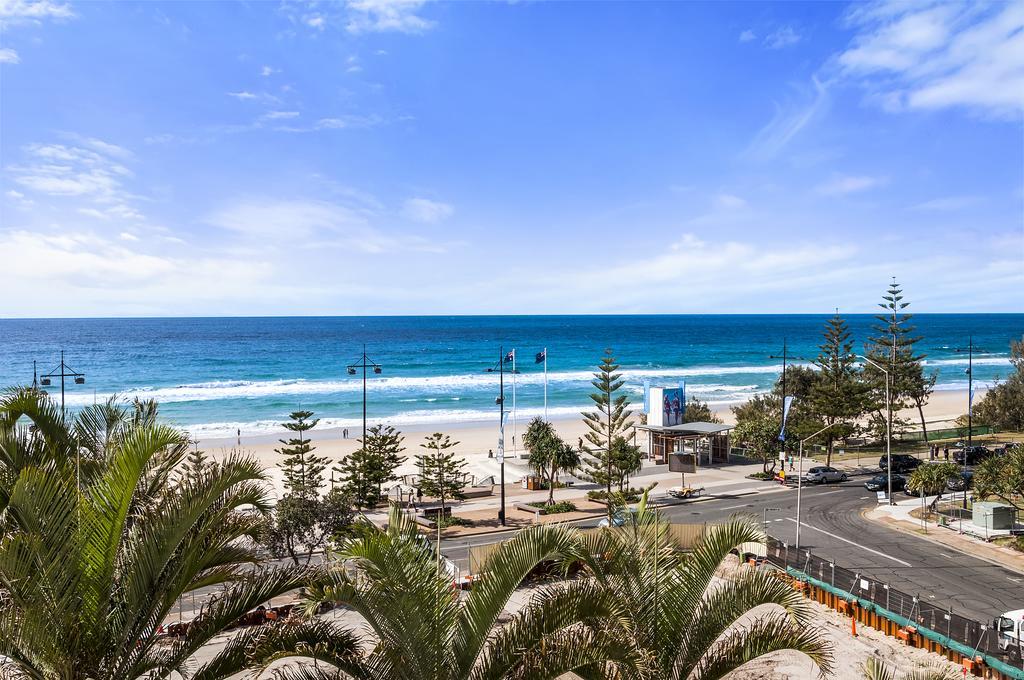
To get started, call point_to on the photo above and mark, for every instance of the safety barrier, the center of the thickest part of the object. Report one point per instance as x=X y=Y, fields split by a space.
x=910 y=619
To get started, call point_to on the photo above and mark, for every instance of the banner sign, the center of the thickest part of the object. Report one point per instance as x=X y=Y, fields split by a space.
x=785 y=415
x=647 y=396
x=672 y=408
x=682 y=462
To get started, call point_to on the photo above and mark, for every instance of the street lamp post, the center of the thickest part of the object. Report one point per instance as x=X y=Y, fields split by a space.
x=63 y=371
x=800 y=480
x=888 y=426
x=364 y=363
x=785 y=356
x=500 y=401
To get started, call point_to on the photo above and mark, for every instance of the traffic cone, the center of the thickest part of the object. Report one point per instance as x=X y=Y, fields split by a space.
x=853 y=625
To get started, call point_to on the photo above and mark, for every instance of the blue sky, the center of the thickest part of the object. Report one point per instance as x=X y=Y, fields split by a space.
x=372 y=157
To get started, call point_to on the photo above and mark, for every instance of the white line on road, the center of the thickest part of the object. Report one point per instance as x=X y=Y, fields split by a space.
x=846 y=540
x=733 y=507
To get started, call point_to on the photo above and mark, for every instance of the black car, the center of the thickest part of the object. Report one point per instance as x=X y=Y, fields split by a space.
x=971 y=455
x=881 y=483
x=901 y=462
x=961 y=481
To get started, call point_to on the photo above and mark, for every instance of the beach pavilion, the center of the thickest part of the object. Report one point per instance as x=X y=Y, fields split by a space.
x=699 y=442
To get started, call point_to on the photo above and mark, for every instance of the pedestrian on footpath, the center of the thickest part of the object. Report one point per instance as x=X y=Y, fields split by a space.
x=946 y=451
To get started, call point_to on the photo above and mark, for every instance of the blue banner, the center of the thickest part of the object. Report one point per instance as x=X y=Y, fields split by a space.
x=785 y=415
x=647 y=396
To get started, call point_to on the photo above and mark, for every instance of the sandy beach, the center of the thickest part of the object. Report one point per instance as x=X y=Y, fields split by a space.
x=476 y=440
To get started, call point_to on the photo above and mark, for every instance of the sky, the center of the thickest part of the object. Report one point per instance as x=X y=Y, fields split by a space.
x=370 y=157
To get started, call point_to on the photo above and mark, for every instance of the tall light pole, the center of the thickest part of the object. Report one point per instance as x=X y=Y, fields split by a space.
x=970 y=404
x=888 y=425
x=785 y=356
x=500 y=401
x=364 y=363
x=800 y=480
x=63 y=371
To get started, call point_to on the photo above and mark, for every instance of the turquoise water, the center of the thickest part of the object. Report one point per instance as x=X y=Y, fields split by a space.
x=214 y=376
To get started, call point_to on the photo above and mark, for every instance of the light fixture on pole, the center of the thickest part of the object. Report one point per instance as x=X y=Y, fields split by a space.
x=800 y=479
x=364 y=363
x=500 y=401
x=63 y=371
x=970 y=404
x=785 y=356
x=888 y=426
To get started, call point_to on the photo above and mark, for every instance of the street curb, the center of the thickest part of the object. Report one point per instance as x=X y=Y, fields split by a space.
x=895 y=526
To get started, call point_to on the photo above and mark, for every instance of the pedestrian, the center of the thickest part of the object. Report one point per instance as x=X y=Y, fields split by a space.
x=791 y=468
x=946 y=452
x=490 y=453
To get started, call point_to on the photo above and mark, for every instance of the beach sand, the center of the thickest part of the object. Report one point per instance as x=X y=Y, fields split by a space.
x=477 y=439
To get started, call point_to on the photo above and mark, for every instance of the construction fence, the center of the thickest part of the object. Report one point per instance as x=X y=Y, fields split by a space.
x=908 y=615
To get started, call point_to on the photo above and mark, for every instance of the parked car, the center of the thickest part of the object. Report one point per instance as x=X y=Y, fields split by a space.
x=901 y=462
x=823 y=475
x=972 y=455
x=619 y=518
x=961 y=481
x=881 y=483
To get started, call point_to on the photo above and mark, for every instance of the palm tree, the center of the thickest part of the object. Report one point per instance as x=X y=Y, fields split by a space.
x=99 y=542
x=421 y=629
x=930 y=480
x=686 y=622
x=875 y=669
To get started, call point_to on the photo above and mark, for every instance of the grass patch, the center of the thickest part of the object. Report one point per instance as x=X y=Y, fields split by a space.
x=554 y=508
x=453 y=521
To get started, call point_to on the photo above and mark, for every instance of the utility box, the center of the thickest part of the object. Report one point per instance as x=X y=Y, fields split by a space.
x=993 y=516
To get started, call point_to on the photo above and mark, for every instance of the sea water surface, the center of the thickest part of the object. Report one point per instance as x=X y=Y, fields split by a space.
x=215 y=376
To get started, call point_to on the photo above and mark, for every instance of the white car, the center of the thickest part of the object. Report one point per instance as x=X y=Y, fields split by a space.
x=823 y=475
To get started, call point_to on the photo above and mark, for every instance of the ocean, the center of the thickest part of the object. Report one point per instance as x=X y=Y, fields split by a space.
x=214 y=376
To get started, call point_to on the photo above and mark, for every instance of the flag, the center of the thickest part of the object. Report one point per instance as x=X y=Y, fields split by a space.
x=540 y=357
x=647 y=396
x=510 y=357
x=682 y=397
x=785 y=414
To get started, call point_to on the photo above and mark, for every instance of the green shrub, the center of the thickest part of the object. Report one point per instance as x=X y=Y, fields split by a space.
x=761 y=475
x=554 y=508
x=453 y=521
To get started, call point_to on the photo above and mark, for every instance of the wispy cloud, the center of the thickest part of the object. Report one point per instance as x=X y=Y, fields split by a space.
x=932 y=55
x=947 y=203
x=730 y=201
x=33 y=11
x=747 y=36
x=268 y=71
x=848 y=184
x=380 y=16
x=426 y=210
x=781 y=37
x=9 y=56
x=790 y=118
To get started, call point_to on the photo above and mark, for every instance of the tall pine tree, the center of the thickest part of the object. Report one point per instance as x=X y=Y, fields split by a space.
x=372 y=465
x=892 y=347
x=443 y=475
x=607 y=422
x=837 y=395
x=303 y=470
x=195 y=465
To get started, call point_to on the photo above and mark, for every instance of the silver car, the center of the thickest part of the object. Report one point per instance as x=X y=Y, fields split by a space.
x=824 y=475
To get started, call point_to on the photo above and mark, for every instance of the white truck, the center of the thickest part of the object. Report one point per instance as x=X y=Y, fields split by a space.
x=1011 y=629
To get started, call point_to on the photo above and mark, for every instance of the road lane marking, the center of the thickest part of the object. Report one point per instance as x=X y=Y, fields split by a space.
x=733 y=507
x=858 y=545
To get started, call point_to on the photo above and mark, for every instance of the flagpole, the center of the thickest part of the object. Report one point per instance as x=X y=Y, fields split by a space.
x=515 y=445
x=545 y=383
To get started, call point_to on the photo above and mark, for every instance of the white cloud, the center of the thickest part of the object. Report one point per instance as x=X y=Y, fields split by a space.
x=947 y=203
x=280 y=115
x=426 y=210
x=91 y=171
x=267 y=71
x=730 y=201
x=848 y=184
x=366 y=16
x=243 y=95
x=747 y=36
x=781 y=37
x=9 y=56
x=932 y=55
x=789 y=119
x=33 y=11
x=316 y=21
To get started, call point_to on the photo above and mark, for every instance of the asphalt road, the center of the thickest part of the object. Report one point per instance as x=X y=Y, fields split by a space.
x=834 y=528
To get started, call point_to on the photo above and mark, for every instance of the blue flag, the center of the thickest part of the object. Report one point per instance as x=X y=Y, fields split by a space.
x=647 y=396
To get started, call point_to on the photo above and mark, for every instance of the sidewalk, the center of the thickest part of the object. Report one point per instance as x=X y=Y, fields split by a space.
x=898 y=517
x=483 y=511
